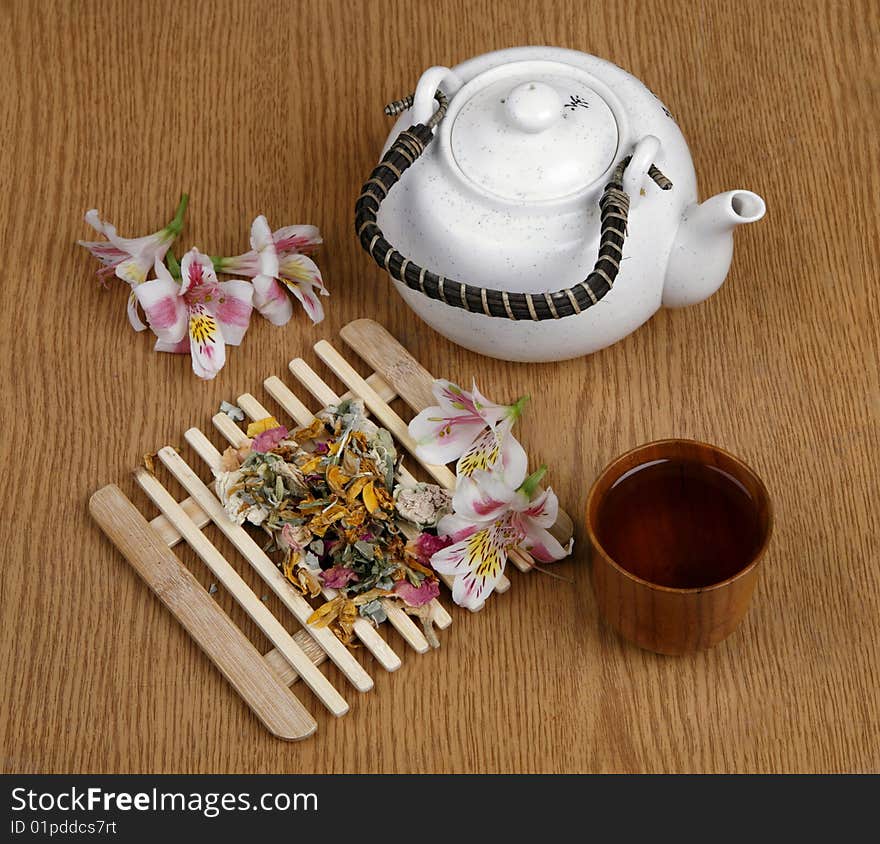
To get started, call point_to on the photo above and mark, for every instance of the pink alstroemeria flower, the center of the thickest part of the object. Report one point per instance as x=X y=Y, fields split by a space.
x=471 y=429
x=198 y=315
x=130 y=258
x=490 y=519
x=275 y=262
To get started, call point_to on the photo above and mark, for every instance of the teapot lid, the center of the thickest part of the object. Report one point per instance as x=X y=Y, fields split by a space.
x=533 y=131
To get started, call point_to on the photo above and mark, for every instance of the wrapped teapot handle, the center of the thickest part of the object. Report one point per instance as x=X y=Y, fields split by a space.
x=406 y=149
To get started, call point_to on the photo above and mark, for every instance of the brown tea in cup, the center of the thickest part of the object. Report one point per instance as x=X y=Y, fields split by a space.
x=677 y=529
x=680 y=523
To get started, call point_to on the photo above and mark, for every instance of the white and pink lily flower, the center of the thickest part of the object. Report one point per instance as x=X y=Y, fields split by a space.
x=277 y=261
x=198 y=315
x=301 y=240
x=130 y=258
x=471 y=429
x=490 y=518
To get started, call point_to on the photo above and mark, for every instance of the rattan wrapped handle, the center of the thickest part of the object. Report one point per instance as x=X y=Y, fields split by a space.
x=406 y=149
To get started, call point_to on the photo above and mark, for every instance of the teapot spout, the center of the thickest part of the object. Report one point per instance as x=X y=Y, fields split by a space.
x=703 y=247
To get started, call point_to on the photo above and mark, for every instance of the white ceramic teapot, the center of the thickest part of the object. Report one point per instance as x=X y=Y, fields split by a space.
x=541 y=205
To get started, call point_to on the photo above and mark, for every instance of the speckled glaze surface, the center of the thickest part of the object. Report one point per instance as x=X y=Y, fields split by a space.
x=507 y=197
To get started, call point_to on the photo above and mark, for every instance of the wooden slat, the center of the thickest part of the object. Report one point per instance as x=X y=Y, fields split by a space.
x=313 y=382
x=167 y=531
x=212 y=630
x=363 y=629
x=279 y=664
x=242 y=593
x=255 y=555
x=382 y=351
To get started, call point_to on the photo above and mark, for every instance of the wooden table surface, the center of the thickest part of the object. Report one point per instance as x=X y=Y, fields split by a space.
x=277 y=108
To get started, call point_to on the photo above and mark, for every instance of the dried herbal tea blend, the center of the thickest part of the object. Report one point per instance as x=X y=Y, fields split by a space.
x=325 y=496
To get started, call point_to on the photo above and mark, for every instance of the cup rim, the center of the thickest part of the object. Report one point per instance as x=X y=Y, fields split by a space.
x=691 y=590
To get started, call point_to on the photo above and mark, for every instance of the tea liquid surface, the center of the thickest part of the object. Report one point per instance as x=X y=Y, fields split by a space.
x=679 y=523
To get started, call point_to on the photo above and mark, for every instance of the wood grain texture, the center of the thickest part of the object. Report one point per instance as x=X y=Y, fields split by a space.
x=277 y=108
x=235 y=657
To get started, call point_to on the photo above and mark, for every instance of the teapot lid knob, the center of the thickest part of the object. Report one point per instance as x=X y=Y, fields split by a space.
x=533 y=106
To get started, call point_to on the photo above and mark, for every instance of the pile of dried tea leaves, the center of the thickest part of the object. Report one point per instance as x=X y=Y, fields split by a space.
x=325 y=496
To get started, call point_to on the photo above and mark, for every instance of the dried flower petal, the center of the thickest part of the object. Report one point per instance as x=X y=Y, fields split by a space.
x=415 y=596
x=338 y=577
x=336 y=480
x=258 y=426
x=233 y=411
x=309 y=432
x=371 y=501
x=327 y=613
x=423 y=505
x=296 y=536
x=426 y=545
x=268 y=439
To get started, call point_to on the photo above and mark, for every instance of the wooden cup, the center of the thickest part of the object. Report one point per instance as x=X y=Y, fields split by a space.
x=664 y=619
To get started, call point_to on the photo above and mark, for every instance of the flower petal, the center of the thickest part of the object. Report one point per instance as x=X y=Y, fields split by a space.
x=309 y=300
x=540 y=543
x=456 y=559
x=267 y=440
x=271 y=300
x=456 y=527
x=181 y=348
x=495 y=449
x=442 y=436
x=162 y=272
x=487 y=409
x=338 y=577
x=132 y=310
x=482 y=497
x=234 y=309
x=481 y=455
x=134 y=270
x=206 y=343
x=452 y=398
x=543 y=509
x=417 y=596
x=477 y=563
x=296 y=238
x=247 y=264
x=105 y=252
x=197 y=270
x=263 y=244
x=128 y=246
x=164 y=307
x=299 y=268
x=514 y=460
